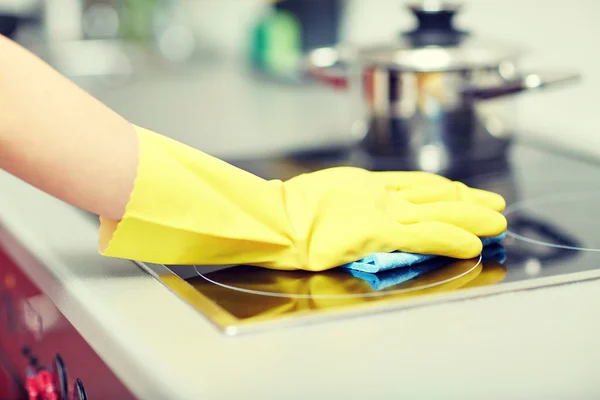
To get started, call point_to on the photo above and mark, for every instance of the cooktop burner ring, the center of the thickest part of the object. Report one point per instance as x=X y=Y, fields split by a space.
x=539 y=201
x=381 y=293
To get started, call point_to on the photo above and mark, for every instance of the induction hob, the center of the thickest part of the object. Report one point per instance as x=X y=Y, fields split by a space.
x=552 y=239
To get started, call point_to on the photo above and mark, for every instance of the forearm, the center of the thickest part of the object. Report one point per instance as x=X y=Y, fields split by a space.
x=60 y=139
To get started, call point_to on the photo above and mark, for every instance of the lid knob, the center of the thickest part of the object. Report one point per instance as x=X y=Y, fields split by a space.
x=435 y=24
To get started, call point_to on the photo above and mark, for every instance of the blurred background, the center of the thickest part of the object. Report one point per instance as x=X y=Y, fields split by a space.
x=207 y=71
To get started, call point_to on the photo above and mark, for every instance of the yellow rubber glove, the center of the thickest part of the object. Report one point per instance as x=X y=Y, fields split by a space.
x=190 y=208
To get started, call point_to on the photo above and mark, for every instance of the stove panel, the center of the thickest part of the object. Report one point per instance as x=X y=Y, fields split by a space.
x=552 y=239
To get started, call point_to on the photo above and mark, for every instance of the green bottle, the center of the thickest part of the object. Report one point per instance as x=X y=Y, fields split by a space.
x=137 y=18
x=277 y=43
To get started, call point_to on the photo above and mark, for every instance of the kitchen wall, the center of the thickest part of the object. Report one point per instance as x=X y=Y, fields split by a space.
x=562 y=34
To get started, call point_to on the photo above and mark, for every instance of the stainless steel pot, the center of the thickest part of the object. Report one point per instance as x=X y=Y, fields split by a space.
x=429 y=94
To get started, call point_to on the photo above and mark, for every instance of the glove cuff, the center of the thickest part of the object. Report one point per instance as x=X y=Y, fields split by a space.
x=190 y=208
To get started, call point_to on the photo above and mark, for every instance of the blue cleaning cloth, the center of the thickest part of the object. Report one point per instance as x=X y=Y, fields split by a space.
x=378 y=262
x=392 y=277
x=494 y=252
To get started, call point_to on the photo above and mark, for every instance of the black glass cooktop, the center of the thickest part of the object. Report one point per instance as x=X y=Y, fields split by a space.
x=552 y=239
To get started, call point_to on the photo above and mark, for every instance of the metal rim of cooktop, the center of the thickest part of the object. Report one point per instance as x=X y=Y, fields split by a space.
x=341 y=296
x=535 y=202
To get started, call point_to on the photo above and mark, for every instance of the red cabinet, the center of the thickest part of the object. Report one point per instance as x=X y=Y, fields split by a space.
x=29 y=321
x=10 y=387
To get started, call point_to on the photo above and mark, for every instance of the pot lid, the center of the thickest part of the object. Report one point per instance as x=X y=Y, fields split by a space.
x=435 y=44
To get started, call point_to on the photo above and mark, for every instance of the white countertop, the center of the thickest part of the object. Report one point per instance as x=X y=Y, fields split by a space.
x=538 y=344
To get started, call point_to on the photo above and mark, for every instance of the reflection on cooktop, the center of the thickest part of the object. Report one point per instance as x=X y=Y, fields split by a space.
x=253 y=293
x=250 y=293
x=303 y=292
x=552 y=239
x=344 y=283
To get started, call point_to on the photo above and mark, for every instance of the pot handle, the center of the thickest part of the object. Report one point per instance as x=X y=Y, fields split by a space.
x=525 y=82
x=325 y=65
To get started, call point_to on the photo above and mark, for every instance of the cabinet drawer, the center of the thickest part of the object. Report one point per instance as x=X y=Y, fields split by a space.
x=29 y=319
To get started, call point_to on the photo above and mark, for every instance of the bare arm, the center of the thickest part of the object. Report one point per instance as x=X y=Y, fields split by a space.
x=60 y=139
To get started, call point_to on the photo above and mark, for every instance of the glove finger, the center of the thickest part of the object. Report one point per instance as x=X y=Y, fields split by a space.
x=453 y=191
x=438 y=238
x=477 y=219
x=402 y=180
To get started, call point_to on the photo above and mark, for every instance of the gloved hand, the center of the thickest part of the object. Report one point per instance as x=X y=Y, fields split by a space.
x=190 y=208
